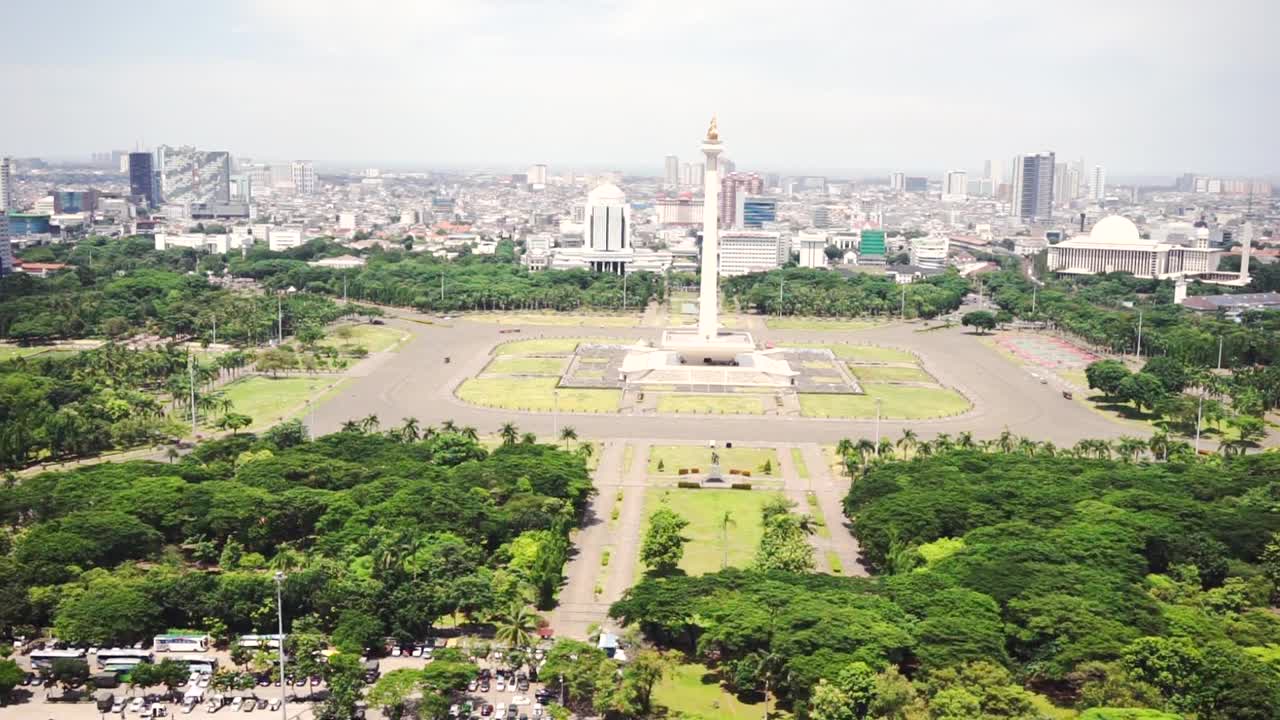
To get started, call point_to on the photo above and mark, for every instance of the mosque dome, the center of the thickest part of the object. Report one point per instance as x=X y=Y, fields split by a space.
x=606 y=194
x=1116 y=230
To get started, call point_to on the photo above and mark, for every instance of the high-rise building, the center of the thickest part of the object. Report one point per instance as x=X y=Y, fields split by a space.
x=75 y=201
x=731 y=186
x=142 y=179
x=536 y=175
x=993 y=170
x=304 y=177
x=758 y=210
x=1033 y=187
x=916 y=184
x=955 y=185
x=192 y=176
x=606 y=239
x=671 y=176
x=6 y=185
x=821 y=216
x=6 y=250
x=1098 y=183
x=897 y=181
x=930 y=251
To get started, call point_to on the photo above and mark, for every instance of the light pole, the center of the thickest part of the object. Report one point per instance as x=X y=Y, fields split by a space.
x=1219 y=352
x=1139 y=352
x=555 y=415
x=191 y=380
x=279 y=577
x=1199 y=414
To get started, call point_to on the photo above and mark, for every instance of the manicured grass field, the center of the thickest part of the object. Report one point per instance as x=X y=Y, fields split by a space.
x=802 y=323
x=557 y=320
x=541 y=346
x=684 y=691
x=674 y=457
x=506 y=365
x=712 y=404
x=797 y=459
x=374 y=338
x=900 y=402
x=882 y=373
x=9 y=352
x=704 y=509
x=863 y=353
x=535 y=393
x=271 y=400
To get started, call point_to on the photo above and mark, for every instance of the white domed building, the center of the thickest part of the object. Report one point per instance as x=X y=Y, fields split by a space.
x=1115 y=245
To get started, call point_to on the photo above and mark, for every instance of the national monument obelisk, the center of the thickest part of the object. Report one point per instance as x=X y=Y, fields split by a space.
x=709 y=286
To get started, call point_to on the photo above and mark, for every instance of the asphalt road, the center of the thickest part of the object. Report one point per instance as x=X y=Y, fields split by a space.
x=416 y=382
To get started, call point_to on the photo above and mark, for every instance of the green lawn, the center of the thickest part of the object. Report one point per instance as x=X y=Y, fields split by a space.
x=863 y=353
x=711 y=404
x=882 y=373
x=692 y=690
x=704 y=509
x=374 y=338
x=9 y=352
x=535 y=393
x=674 y=457
x=507 y=365
x=900 y=402
x=797 y=459
x=271 y=400
x=558 y=320
x=543 y=346
x=803 y=323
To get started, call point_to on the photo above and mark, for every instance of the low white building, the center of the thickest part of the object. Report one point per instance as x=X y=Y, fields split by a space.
x=342 y=262
x=748 y=251
x=218 y=244
x=813 y=249
x=279 y=239
x=930 y=251
x=1114 y=245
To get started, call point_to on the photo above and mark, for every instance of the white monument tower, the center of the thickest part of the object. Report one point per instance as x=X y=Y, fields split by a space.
x=709 y=286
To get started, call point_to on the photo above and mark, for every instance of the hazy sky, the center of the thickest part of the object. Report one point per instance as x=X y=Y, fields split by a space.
x=1142 y=87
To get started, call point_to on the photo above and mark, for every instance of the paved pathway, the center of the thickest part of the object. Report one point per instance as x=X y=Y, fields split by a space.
x=830 y=491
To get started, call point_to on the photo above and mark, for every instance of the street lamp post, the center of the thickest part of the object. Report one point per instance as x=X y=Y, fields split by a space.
x=555 y=416
x=1199 y=414
x=284 y=710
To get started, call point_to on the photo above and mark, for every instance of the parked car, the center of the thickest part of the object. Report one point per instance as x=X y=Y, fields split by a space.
x=236 y=703
x=117 y=707
x=487 y=710
x=136 y=705
x=274 y=704
x=484 y=685
x=262 y=703
x=473 y=686
x=249 y=704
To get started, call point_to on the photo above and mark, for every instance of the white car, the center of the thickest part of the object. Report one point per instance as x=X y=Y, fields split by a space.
x=187 y=707
x=136 y=705
x=235 y=704
x=213 y=706
x=275 y=703
x=204 y=680
x=501 y=711
x=118 y=706
x=501 y=685
x=473 y=685
x=537 y=711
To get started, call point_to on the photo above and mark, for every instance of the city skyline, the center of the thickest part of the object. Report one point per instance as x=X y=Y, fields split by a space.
x=442 y=85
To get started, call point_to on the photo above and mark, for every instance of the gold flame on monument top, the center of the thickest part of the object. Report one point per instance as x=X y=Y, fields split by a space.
x=713 y=134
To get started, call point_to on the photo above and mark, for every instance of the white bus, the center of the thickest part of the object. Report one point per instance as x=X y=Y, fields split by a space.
x=199 y=663
x=44 y=658
x=123 y=656
x=181 y=643
x=257 y=641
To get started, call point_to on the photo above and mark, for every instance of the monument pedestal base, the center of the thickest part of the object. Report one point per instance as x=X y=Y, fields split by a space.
x=714 y=476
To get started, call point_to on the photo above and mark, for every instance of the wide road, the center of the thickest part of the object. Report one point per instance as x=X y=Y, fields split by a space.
x=416 y=382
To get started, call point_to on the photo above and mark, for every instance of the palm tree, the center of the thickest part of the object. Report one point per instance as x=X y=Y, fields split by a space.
x=965 y=440
x=508 y=433
x=726 y=522
x=449 y=426
x=1048 y=449
x=409 y=430
x=1027 y=446
x=885 y=449
x=943 y=442
x=568 y=435
x=1159 y=446
x=469 y=433
x=1129 y=448
x=351 y=426
x=865 y=448
x=528 y=439
x=844 y=448
x=1006 y=442
x=907 y=442
x=516 y=626
x=369 y=423
x=586 y=450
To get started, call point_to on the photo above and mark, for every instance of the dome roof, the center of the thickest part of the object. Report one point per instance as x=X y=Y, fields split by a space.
x=1116 y=230
x=606 y=194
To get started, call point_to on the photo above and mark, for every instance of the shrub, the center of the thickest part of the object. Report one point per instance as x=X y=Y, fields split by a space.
x=740 y=486
x=688 y=484
x=746 y=473
x=684 y=471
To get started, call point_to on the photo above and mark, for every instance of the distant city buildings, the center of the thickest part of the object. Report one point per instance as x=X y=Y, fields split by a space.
x=1098 y=183
x=916 y=184
x=189 y=176
x=756 y=211
x=733 y=185
x=304 y=177
x=897 y=181
x=607 y=233
x=6 y=185
x=678 y=211
x=955 y=186
x=929 y=251
x=671 y=174
x=537 y=175
x=1033 y=187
